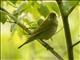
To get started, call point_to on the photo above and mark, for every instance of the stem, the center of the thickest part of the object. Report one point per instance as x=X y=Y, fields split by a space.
x=67 y=30
x=75 y=44
x=68 y=38
x=69 y=12
x=50 y=49
x=29 y=32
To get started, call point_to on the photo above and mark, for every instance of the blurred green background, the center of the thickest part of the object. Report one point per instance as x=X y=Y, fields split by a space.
x=31 y=14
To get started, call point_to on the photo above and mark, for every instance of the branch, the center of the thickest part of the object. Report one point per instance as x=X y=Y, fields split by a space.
x=69 y=12
x=75 y=44
x=67 y=30
x=29 y=32
x=15 y=20
x=50 y=49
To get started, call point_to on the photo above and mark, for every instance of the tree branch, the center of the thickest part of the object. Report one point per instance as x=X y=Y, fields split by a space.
x=29 y=32
x=75 y=44
x=69 y=12
x=50 y=49
x=15 y=20
x=66 y=29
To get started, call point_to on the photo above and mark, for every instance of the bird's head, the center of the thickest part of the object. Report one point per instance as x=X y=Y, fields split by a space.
x=53 y=18
x=52 y=15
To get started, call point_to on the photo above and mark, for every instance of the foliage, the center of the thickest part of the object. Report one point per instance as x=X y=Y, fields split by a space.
x=32 y=14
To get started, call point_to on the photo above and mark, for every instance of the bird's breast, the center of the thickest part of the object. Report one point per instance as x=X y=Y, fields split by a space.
x=48 y=33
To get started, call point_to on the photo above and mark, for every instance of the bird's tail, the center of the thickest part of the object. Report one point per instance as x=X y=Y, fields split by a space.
x=29 y=40
x=22 y=45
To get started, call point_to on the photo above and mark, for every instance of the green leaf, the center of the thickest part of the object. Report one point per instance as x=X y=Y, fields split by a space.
x=13 y=1
x=34 y=9
x=26 y=7
x=67 y=5
x=43 y=10
x=3 y=18
x=52 y=6
x=13 y=28
x=20 y=8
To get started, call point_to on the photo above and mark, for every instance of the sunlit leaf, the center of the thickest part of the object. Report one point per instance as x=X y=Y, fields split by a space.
x=13 y=1
x=3 y=18
x=43 y=10
x=35 y=12
x=52 y=6
x=13 y=27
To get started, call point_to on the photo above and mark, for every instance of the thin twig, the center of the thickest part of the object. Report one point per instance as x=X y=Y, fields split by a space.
x=29 y=32
x=75 y=44
x=69 y=12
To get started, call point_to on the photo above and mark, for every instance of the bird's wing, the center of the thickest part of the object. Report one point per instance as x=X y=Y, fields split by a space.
x=43 y=27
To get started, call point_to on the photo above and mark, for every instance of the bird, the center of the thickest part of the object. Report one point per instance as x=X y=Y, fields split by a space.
x=45 y=30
